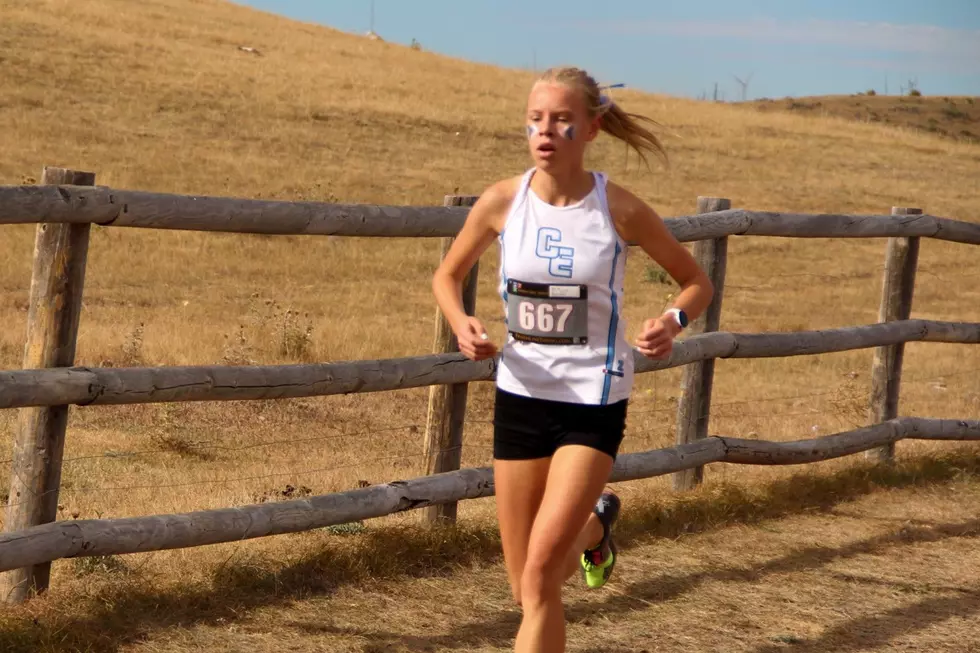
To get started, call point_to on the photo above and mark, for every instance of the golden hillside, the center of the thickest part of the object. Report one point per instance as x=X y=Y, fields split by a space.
x=158 y=95
x=954 y=117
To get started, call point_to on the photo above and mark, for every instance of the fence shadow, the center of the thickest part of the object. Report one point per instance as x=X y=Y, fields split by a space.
x=120 y=613
x=500 y=631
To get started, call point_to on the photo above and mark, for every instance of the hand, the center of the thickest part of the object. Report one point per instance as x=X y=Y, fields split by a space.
x=656 y=340
x=474 y=341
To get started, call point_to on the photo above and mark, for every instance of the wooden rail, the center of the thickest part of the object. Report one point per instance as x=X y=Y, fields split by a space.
x=694 y=406
x=446 y=414
x=86 y=386
x=94 y=537
x=54 y=309
x=65 y=205
x=126 y=208
x=901 y=260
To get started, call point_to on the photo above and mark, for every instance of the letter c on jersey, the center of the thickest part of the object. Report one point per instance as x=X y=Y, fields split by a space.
x=560 y=258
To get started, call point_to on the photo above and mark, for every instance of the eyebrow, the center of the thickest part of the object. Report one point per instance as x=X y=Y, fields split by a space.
x=562 y=111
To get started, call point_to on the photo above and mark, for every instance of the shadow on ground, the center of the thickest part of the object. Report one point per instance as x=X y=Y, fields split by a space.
x=858 y=634
x=127 y=611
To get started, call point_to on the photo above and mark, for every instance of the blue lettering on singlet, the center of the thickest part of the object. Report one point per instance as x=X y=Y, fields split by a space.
x=560 y=258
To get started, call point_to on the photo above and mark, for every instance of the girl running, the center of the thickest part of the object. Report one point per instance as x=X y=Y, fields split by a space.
x=566 y=369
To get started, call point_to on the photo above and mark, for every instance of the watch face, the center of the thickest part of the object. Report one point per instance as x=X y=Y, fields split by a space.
x=682 y=317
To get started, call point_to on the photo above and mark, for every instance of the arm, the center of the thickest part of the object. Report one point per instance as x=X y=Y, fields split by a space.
x=637 y=222
x=483 y=224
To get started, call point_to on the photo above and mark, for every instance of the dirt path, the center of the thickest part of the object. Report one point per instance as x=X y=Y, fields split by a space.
x=894 y=570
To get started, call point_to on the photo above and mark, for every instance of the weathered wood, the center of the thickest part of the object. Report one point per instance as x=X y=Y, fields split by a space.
x=901 y=260
x=66 y=539
x=804 y=343
x=105 y=206
x=53 y=312
x=670 y=460
x=759 y=452
x=127 y=385
x=694 y=406
x=141 y=385
x=75 y=538
x=443 y=448
x=125 y=208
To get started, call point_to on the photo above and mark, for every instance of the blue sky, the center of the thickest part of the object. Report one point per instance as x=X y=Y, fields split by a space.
x=788 y=47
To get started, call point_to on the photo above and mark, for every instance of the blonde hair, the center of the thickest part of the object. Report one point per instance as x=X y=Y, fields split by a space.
x=614 y=121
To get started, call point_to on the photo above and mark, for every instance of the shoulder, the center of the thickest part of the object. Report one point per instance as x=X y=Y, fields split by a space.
x=495 y=202
x=502 y=193
x=628 y=212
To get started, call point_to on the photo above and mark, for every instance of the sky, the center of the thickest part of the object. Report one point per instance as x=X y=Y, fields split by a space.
x=778 y=48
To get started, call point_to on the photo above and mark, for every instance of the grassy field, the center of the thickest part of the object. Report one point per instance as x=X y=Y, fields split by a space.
x=954 y=117
x=157 y=96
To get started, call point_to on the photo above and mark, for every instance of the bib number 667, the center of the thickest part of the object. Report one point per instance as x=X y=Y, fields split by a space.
x=542 y=317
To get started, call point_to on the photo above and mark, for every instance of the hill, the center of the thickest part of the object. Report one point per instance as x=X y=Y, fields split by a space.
x=159 y=95
x=957 y=118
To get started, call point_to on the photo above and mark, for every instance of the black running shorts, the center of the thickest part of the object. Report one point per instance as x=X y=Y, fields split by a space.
x=525 y=428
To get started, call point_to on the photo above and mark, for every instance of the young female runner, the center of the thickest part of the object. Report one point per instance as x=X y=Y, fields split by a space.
x=566 y=369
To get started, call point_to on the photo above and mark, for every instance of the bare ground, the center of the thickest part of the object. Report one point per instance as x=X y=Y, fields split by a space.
x=852 y=559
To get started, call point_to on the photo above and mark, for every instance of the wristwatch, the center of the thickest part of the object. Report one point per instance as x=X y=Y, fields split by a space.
x=679 y=316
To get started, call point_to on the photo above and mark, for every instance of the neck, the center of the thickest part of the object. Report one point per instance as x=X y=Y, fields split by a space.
x=562 y=187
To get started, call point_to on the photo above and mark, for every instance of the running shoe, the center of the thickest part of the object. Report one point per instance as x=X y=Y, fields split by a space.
x=598 y=562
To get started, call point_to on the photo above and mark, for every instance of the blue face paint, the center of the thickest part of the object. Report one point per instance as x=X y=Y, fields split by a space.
x=567 y=132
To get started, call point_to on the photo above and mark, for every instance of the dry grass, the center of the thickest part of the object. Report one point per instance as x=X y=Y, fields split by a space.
x=957 y=118
x=156 y=96
x=864 y=558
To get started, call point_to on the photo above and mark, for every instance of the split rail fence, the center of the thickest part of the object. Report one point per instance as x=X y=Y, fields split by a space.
x=67 y=203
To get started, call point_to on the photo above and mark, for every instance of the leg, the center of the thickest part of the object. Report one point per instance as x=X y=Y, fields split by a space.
x=522 y=454
x=575 y=481
x=519 y=488
x=589 y=537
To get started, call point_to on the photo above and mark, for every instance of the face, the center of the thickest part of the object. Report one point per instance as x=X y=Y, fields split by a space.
x=558 y=125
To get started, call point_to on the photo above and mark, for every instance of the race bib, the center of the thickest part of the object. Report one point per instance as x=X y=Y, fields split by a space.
x=548 y=314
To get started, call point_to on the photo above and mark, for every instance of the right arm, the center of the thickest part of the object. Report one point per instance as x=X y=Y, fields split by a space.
x=482 y=226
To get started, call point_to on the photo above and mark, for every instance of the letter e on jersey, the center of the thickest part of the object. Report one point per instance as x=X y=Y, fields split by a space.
x=560 y=258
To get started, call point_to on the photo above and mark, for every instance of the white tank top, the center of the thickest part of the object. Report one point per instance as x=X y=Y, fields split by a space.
x=561 y=280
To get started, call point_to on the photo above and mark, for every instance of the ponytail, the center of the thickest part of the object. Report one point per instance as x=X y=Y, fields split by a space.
x=614 y=120
x=627 y=127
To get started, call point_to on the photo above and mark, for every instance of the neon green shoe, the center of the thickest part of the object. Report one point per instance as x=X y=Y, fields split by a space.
x=596 y=570
x=598 y=563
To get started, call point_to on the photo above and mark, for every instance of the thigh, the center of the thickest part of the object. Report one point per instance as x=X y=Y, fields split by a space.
x=598 y=427
x=519 y=486
x=576 y=478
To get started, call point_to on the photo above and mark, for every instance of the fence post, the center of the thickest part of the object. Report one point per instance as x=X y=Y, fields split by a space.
x=695 y=402
x=58 y=275
x=447 y=403
x=901 y=258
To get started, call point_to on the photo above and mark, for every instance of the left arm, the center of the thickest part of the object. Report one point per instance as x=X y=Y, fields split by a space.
x=638 y=223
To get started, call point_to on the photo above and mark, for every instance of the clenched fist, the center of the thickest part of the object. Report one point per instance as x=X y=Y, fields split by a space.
x=474 y=341
x=656 y=340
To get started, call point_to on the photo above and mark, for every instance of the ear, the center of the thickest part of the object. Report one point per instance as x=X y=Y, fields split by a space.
x=595 y=126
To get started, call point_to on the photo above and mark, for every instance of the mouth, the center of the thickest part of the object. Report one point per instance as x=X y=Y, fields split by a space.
x=545 y=148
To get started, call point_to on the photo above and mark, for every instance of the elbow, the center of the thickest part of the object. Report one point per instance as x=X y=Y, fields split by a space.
x=437 y=282
x=441 y=281
x=701 y=282
x=709 y=288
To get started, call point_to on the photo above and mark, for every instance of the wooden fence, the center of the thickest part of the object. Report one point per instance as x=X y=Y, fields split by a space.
x=67 y=203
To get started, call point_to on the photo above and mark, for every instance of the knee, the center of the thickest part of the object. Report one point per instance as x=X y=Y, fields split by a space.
x=540 y=582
